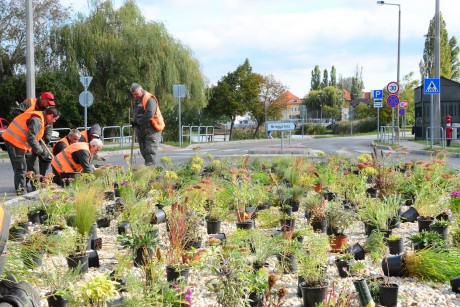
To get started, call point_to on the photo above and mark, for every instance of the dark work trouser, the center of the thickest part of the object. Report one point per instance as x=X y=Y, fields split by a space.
x=148 y=144
x=19 y=164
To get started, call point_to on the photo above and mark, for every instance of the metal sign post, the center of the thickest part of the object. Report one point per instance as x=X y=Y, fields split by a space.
x=86 y=98
x=393 y=89
x=432 y=86
x=179 y=92
x=280 y=126
x=378 y=98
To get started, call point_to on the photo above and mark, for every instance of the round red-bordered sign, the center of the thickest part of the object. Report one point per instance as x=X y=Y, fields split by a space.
x=393 y=87
x=392 y=101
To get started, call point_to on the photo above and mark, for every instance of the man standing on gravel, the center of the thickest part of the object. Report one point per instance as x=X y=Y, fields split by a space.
x=148 y=122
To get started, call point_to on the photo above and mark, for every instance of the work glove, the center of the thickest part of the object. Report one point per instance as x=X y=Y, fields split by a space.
x=134 y=124
x=45 y=158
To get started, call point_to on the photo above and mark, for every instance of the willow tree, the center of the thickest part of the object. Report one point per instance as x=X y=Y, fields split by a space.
x=119 y=47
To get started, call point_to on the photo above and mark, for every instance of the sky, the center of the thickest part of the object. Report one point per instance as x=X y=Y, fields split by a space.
x=287 y=38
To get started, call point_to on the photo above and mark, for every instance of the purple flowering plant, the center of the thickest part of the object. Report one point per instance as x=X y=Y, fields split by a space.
x=183 y=294
x=455 y=201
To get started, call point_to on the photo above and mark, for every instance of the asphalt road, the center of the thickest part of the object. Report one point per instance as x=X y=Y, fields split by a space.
x=353 y=146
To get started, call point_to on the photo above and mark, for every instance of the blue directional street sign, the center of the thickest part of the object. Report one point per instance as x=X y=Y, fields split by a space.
x=431 y=86
x=402 y=112
x=378 y=94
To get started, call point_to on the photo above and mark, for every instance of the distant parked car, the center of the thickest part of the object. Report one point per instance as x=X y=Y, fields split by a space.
x=3 y=126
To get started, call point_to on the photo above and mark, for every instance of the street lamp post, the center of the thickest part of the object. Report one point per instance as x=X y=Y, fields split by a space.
x=399 y=49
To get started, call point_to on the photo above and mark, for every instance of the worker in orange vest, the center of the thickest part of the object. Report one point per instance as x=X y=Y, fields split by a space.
x=76 y=158
x=148 y=122
x=22 y=136
x=41 y=103
x=72 y=137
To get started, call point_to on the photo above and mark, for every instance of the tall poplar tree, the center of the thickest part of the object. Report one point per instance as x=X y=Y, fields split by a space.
x=449 y=66
x=315 y=82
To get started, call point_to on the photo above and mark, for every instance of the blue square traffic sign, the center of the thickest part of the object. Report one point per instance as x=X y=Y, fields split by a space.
x=378 y=94
x=431 y=86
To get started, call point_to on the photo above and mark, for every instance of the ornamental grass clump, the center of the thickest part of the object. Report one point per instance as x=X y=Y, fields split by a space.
x=433 y=264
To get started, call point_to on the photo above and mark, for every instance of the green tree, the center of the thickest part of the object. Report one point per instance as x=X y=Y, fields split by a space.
x=234 y=93
x=357 y=84
x=119 y=47
x=333 y=81
x=47 y=15
x=315 y=82
x=449 y=66
x=325 y=81
x=270 y=91
x=454 y=62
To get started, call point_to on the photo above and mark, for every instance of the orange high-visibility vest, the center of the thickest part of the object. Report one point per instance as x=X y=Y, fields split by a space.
x=84 y=136
x=33 y=104
x=63 y=162
x=157 y=119
x=17 y=131
x=64 y=140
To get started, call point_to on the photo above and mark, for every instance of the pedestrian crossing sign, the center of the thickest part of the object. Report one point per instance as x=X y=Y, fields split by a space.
x=431 y=86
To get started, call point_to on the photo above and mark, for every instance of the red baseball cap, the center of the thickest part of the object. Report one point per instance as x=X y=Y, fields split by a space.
x=50 y=97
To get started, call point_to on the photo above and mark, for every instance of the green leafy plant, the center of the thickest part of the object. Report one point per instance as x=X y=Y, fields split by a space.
x=394 y=237
x=425 y=239
x=96 y=291
x=58 y=282
x=441 y=223
x=312 y=261
x=338 y=217
x=375 y=246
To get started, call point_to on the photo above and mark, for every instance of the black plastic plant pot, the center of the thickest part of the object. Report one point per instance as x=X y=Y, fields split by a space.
x=74 y=261
x=213 y=226
x=424 y=223
x=256 y=299
x=357 y=251
x=287 y=210
x=245 y=225
x=455 y=284
x=124 y=227
x=103 y=222
x=288 y=262
x=442 y=230
x=300 y=280
x=388 y=294
x=143 y=256
x=371 y=192
x=158 y=217
x=368 y=228
x=319 y=225
x=174 y=275
x=312 y=296
x=109 y=195
x=410 y=215
x=393 y=266
x=396 y=247
x=343 y=267
x=364 y=294
x=18 y=231
x=329 y=196
x=93 y=259
x=57 y=301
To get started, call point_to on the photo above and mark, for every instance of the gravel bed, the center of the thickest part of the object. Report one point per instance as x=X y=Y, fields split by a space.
x=412 y=292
